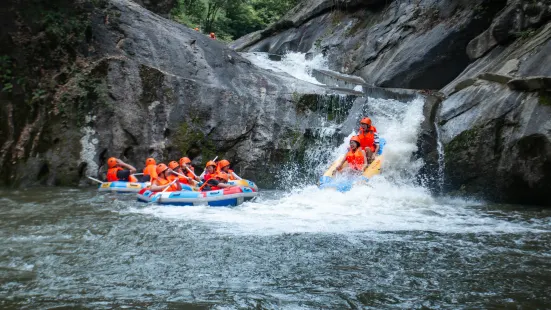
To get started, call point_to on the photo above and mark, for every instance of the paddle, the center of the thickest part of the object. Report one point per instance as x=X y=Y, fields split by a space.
x=157 y=195
x=95 y=180
x=184 y=176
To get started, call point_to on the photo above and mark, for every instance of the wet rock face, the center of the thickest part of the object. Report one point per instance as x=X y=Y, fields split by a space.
x=150 y=87
x=519 y=18
x=496 y=130
x=407 y=44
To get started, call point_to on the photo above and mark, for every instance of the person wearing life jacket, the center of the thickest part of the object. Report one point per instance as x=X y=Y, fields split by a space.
x=182 y=178
x=219 y=181
x=210 y=171
x=355 y=157
x=369 y=138
x=165 y=179
x=196 y=28
x=366 y=121
x=212 y=36
x=150 y=170
x=224 y=167
x=115 y=172
x=187 y=168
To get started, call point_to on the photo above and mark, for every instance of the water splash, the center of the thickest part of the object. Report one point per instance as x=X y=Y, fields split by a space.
x=294 y=64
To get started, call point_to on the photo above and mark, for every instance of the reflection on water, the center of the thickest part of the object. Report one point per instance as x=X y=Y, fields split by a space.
x=381 y=246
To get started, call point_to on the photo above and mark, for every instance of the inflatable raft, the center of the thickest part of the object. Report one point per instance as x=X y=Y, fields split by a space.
x=122 y=187
x=233 y=196
x=332 y=181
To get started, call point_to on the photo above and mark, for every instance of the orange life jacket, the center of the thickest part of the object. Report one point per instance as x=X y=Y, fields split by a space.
x=229 y=173
x=367 y=139
x=160 y=182
x=132 y=179
x=151 y=170
x=355 y=159
x=208 y=176
x=112 y=174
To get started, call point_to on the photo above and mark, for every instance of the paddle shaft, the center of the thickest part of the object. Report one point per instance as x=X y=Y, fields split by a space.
x=95 y=180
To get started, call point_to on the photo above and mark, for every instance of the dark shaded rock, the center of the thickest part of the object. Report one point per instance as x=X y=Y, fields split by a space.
x=483 y=129
x=402 y=44
x=514 y=20
x=512 y=60
x=533 y=83
x=274 y=57
x=494 y=77
x=427 y=146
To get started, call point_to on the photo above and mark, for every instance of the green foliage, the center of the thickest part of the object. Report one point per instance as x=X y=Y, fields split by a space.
x=6 y=75
x=528 y=33
x=230 y=19
x=545 y=98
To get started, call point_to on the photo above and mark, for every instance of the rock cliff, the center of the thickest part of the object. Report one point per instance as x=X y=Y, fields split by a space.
x=490 y=59
x=132 y=84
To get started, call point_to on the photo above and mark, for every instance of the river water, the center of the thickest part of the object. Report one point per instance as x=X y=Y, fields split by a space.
x=388 y=245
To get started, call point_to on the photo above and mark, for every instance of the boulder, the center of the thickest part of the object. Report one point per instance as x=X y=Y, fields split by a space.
x=152 y=87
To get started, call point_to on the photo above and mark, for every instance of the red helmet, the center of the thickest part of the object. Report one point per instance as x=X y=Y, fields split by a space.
x=223 y=176
x=112 y=162
x=161 y=168
x=150 y=161
x=356 y=139
x=173 y=165
x=366 y=120
x=223 y=163
x=211 y=163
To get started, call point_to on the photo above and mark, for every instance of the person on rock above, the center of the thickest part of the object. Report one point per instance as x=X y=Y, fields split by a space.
x=150 y=170
x=369 y=138
x=182 y=178
x=117 y=173
x=212 y=36
x=355 y=157
x=210 y=171
x=217 y=182
x=224 y=167
x=185 y=164
x=165 y=179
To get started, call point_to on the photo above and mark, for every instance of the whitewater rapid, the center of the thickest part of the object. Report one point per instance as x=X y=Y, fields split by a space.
x=391 y=201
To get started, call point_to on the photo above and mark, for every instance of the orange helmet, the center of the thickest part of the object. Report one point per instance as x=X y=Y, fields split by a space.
x=223 y=163
x=212 y=34
x=223 y=176
x=150 y=161
x=211 y=163
x=355 y=139
x=184 y=160
x=196 y=28
x=366 y=120
x=161 y=168
x=173 y=165
x=112 y=162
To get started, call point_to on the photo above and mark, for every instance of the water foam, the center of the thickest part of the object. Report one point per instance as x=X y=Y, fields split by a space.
x=292 y=63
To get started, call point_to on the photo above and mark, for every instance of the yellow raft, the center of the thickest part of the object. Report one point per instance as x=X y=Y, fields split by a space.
x=328 y=180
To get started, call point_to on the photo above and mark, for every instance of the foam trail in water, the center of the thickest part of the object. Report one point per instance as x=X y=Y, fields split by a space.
x=294 y=64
